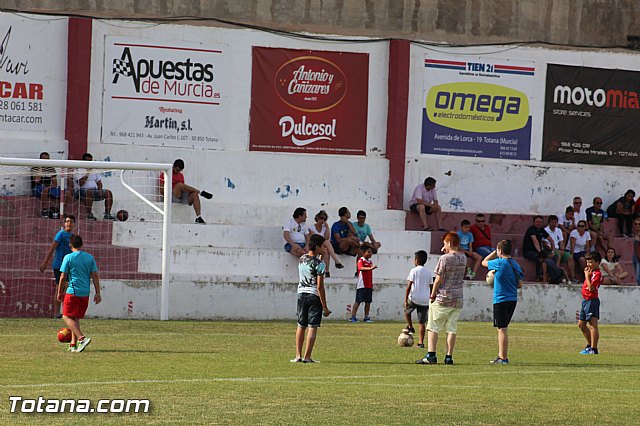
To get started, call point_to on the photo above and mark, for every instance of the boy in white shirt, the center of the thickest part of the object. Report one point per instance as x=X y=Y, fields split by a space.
x=417 y=295
x=559 y=253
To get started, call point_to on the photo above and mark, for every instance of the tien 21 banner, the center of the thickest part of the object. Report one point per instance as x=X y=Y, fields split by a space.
x=591 y=116
x=477 y=106
x=309 y=101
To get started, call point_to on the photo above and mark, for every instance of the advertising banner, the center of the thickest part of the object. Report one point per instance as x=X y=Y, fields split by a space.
x=33 y=76
x=477 y=106
x=591 y=116
x=164 y=93
x=309 y=101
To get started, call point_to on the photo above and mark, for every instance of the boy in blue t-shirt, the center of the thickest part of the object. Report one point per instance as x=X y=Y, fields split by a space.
x=80 y=268
x=60 y=247
x=507 y=280
x=466 y=246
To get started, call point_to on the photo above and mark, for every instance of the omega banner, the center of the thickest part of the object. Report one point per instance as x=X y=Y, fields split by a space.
x=164 y=93
x=477 y=107
x=592 y=116
x=309 y=101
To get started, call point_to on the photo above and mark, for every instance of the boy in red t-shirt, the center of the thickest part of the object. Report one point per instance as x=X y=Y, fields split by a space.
x=364 y=290
x=590 y=309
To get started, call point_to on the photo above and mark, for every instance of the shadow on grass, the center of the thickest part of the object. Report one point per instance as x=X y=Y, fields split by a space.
x=150 y=351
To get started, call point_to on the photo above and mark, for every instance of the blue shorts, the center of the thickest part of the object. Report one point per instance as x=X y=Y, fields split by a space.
x=54 y=192
x=98 y=195
x=364 y=295
x=590 y=309
x=309 y=310
x=287 y=246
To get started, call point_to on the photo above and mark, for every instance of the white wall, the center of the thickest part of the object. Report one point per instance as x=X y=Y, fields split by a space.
x=514 y=186
x=251 y=300
x=231 y=172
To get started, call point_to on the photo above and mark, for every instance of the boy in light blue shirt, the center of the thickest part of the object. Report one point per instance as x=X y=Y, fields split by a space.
x=466 y=246
x=363 y=230
x=80 y=268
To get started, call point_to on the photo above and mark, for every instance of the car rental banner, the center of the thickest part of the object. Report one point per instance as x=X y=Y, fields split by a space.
x=309 y=101
x=33 y=76
x=591 y=116
x=164 y=93
x=477 y=106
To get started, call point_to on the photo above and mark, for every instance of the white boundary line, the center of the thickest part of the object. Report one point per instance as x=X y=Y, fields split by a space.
x=492 y=370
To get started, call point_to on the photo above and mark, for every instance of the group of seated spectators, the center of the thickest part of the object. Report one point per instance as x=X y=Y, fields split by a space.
x=557 y=249
x=344 y=237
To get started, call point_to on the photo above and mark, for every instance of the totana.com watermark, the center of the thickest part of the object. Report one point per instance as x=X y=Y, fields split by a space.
x=42 y=405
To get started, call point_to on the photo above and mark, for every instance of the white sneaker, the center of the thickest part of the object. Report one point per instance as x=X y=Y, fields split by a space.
x=82 y=344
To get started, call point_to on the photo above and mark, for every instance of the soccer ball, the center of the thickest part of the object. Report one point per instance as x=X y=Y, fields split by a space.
x=405 y=340
x=64 y=335
x=122 y=215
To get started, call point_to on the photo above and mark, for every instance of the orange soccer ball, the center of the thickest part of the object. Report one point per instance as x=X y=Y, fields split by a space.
x=64 y=335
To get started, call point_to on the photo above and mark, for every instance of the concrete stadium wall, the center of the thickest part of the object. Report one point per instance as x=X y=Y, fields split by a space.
x=467 y=184
x=249 y=300
x=585 y=22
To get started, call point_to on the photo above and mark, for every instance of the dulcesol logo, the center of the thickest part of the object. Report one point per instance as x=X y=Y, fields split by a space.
x=477 y=107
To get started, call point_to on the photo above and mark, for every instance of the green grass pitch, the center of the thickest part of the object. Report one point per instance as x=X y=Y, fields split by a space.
x=223 y=372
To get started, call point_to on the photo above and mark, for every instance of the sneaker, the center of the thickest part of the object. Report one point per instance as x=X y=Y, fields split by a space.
x=327 y=274
x=472 y=276
x=499 y=361
x=54 y=214
x=59 y=316
x=469 y=271
x=108 y=216
x=296 y=360
x=367 y=319
x=82 y=344
x=420 y=345
x=428 y=360
x=310 y=361
x=353 y=319
x=72 y=349
x=448 y=360
x=409 y=330
x=44 y=214
x=587 y=351
x=339 y=265
x=356 y=274
x=200 y=220
x=90 y=216
x=206 y=195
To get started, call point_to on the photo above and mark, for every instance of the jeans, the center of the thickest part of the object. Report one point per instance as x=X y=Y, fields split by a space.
x=484 y=251
x=533 y=256
x=636 y=269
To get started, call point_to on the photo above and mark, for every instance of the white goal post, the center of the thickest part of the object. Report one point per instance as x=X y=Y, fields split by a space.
x=65 y=168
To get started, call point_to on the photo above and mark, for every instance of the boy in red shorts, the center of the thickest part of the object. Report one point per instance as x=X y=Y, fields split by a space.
x=78 y=268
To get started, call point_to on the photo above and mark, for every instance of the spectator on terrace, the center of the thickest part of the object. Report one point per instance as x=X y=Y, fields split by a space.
x=466 y=247
x=595 y=222
x=296 y=233
x=424 y=201
x=481 y=236
x=567 y=223
x=536 y=240
x=622 y=209
x=363 y=230
x=183 y=193
x=327 y=252
x=580 y=245
x=88 y=188
x=343 y=236
x=560 y=252
x=44 y=185
x=578 y=212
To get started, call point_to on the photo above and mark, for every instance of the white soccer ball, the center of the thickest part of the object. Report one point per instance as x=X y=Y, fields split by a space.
x=405 y=340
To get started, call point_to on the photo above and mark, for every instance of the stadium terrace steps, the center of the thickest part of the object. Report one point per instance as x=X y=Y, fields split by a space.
x=247 y=236
x=267 y=263
x=270 y=215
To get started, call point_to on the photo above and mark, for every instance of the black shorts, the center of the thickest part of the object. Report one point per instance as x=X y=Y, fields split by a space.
x=589 y=309
x=309 y=310
x=414 y=208
x=423 y=311
x=502 y=313
x=364 y=295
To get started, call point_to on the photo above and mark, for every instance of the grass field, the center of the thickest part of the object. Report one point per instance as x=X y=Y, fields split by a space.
x=239 y=373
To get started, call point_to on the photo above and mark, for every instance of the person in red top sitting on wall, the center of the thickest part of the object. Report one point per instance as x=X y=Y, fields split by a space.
x=183 y=193
x=481 y=236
